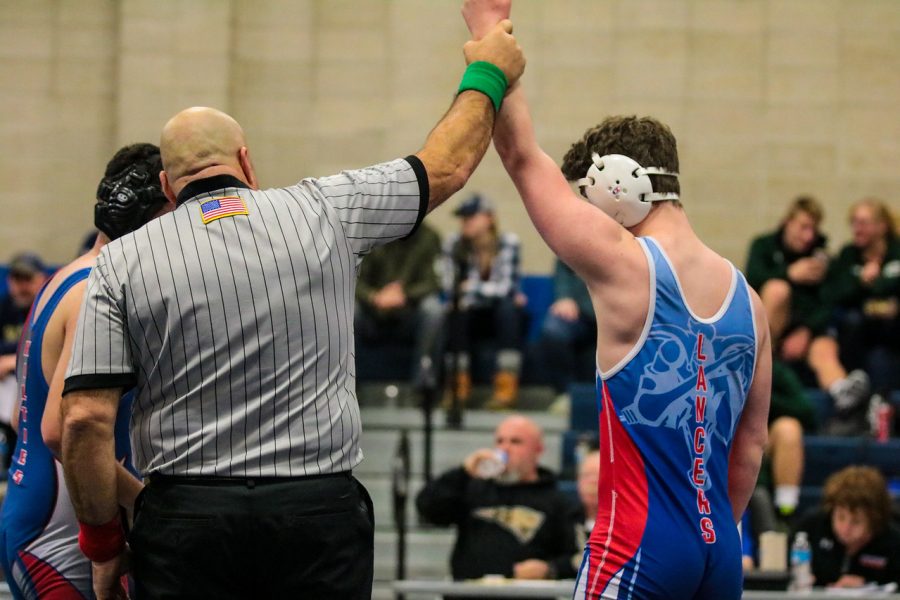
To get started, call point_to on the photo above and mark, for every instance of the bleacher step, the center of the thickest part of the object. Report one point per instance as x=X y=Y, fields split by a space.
x=427 y=554
x=383 y=417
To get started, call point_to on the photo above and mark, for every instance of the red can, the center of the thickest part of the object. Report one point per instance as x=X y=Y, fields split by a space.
x=884 y=419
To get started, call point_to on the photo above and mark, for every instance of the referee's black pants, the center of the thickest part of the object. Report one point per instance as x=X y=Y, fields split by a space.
x=229 y=538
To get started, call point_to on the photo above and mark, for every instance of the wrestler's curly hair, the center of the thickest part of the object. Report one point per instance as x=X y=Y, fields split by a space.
x=860 y=488
x=128 y=156
x=646 y=140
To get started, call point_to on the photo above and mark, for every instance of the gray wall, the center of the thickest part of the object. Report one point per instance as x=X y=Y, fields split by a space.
x=768 y=98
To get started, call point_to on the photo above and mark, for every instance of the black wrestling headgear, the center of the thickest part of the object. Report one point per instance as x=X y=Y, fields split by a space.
x=128 y=199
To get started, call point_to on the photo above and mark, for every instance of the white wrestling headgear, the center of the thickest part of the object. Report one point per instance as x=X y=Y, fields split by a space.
x=621 y=188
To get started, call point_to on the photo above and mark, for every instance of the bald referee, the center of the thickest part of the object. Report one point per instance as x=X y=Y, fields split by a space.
x=232 y=315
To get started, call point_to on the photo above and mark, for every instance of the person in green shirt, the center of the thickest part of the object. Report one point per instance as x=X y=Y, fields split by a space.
x=864 y=286
x=788 y=268
x=398 y=295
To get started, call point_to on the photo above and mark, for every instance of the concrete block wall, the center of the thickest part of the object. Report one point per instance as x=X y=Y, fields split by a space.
x=768 y=98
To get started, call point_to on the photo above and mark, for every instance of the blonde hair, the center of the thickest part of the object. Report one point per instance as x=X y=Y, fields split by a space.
x=808 y=205
x=881 y=211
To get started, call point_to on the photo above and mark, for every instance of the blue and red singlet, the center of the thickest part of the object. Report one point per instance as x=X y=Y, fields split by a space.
x=668 y=413
x=38 y=528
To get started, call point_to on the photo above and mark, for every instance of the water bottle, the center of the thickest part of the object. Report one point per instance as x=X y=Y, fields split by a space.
x=801 y=564
x=492 y=466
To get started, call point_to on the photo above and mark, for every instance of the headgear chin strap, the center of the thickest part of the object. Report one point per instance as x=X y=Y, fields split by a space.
x=621 y=188
x=126 y=201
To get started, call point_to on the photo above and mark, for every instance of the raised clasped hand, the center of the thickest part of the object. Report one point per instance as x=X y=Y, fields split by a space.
x=482 y=15
x=499 y=48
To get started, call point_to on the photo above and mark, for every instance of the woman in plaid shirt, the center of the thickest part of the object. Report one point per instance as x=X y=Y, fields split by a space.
x=482 y=276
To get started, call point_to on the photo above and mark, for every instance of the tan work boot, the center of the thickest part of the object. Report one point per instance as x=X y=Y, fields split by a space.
x=462 y=387
x=506 y=390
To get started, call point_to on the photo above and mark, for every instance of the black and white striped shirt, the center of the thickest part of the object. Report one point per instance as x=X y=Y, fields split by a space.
x=237 y=331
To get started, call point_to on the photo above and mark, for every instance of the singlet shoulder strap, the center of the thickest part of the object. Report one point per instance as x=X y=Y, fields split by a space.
x=67 y=284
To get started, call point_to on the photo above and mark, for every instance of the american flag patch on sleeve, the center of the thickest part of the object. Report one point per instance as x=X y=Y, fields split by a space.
x=225 y=206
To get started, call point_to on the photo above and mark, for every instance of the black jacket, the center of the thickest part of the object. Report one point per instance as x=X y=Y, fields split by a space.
x=12 y=319
x=878 y=561
x=500 y=525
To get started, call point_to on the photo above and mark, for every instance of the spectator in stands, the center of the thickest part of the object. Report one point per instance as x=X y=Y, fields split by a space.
x=25 y=278
x=588 y=480
x=481 y=278
x=864 y=285
x=397 y=295
x=788 y=268
x=27 y=274
x=785 y=454
x=852 y=538
x=584 y=514
x=588 y=490
x=516 y=524
x=569 y=328
x=790 y=414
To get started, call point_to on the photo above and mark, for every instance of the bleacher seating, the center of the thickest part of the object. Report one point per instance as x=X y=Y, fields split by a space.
x=392 y=361
x=429 y=547
x=823 y=455
x=539 y=291
x=584 y=415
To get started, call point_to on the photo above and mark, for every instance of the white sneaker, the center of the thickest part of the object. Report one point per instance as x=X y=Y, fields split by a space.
x=849 y=392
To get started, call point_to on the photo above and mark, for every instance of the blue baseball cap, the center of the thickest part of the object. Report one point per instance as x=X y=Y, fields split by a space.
x=474 y=205
x=26 y=264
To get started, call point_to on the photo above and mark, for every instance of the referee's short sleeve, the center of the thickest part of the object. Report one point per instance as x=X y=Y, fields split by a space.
x=378 y=204
x=101 y=355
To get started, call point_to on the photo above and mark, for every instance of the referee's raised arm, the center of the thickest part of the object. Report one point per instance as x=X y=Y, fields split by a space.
x=458 y=142
x=232 y=316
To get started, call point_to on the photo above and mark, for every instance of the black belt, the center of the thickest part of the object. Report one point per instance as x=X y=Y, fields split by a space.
x=250 y=482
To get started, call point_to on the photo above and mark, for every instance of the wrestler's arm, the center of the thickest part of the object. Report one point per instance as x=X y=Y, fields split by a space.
x=752 y=430
x=88 y=452
x=91 y=470
x=127 y=486
x=583 y=236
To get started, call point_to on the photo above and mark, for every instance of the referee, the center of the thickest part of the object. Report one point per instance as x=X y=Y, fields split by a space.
x=233 y=316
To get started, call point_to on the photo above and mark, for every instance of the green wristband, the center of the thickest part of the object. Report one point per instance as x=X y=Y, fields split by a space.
x=486 y=78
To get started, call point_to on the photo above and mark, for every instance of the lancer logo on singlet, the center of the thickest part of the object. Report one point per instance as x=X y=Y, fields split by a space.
x=19 y=475
x=696 y=386
x=698 y=471
x=521 y=521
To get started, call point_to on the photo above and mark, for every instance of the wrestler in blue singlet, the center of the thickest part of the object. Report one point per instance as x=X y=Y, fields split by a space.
x=39 y=530
x=668 y=413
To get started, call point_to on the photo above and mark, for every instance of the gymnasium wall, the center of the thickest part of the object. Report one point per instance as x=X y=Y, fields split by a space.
x=768 y=98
